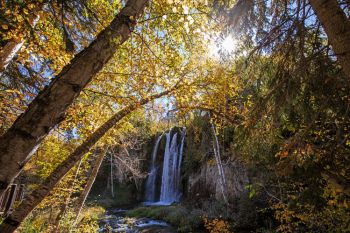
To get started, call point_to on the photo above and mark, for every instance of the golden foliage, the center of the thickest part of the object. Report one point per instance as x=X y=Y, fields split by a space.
x=216 y=225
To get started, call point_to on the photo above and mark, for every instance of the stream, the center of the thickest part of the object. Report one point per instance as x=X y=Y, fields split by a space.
x=116 y=221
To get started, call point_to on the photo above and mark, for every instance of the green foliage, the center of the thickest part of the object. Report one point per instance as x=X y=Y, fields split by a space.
x=87 y=222
x=124 y=196
x=177 y=215
x=197 y=143
x=89 y=219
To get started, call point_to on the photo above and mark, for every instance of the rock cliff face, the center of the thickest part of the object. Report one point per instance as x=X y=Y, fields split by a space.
x=205 y=182
x=201 y=174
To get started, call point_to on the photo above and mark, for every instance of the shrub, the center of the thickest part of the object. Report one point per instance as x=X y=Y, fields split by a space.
x=216 y=225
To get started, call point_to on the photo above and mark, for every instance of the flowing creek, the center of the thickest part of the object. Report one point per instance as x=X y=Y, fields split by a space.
x=116 y=221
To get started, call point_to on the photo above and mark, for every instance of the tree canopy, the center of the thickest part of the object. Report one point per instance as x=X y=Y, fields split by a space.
x=78 y=76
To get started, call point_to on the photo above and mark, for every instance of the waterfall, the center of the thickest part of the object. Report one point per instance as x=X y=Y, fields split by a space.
x=170 y=181
x=166 y=194
x=151 y=179
x=170 y=187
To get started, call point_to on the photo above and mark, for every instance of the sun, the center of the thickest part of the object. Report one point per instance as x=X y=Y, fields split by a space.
x=218 y=46
x=229 y=44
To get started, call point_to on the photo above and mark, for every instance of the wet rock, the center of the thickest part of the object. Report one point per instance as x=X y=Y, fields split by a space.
x=115 y=221
x=205 y=181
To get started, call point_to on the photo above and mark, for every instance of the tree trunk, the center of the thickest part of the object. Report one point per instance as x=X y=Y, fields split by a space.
x=222 y=177
x=8 y=52
x=89 y=183
x=65 y=204
x=112 y=184
x=337 y=28
x=49 y=107
x=11 y=223
x=11 y=48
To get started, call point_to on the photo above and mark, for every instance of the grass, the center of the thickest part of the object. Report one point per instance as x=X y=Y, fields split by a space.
x=88 y=221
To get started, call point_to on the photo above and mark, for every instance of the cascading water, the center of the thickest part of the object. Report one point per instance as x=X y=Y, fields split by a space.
x=170 y=181
x=170 y=154
x=170 y=187
x=150 y=194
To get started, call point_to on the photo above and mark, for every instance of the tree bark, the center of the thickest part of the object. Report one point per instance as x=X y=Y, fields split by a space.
x=89 y=183
x=222 y=177
x=8 y=52
x=65 y=204
x=337 y=28
x=49 y=107
x=11 y=48
x=111 y=173
x=11 y=223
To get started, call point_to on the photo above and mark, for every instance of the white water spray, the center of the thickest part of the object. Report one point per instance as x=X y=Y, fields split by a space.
x=150 y=194
x=170 y=186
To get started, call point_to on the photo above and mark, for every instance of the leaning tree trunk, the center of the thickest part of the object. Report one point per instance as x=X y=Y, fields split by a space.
x=11 y=223
x=12 y=47
x=89 y=183
x=337 y=28
x=8 y=52
x=65 y=204
x=49 y=107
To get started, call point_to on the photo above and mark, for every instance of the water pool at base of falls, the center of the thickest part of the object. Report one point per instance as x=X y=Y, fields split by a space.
x=158 y=203
x=116 y=221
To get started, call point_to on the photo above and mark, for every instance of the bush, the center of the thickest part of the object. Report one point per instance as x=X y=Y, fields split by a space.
x=216 y=225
